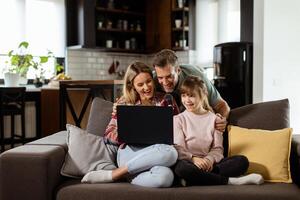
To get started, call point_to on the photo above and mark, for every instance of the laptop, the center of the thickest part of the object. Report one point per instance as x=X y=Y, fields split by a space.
x=145 y=125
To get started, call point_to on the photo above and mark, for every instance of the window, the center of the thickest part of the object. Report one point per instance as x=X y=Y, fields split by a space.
x=217 y=21
x=39 y=22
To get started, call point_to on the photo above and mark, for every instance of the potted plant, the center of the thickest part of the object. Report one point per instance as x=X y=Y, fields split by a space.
x=19 y=63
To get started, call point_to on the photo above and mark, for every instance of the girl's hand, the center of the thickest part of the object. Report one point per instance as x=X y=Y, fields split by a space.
x=202 y=163
x=210 y=164
x=220 y=123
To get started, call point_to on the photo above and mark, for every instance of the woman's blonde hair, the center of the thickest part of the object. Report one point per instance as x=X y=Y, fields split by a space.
x=134 y=69
x=193 y=85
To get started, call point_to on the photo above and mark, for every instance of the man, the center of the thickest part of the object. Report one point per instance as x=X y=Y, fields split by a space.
x=169 y=77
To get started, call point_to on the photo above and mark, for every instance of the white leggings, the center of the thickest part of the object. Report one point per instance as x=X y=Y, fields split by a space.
x=153 y=161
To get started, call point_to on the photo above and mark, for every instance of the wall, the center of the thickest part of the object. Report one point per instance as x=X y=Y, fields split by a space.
x=88 y=64
x=276 y=53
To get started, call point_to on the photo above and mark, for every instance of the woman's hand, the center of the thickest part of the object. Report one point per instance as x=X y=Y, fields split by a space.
x=117 y=102
x=203 y=163
x=220 y=123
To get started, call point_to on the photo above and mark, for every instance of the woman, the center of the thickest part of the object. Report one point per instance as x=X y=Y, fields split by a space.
x=147 y=166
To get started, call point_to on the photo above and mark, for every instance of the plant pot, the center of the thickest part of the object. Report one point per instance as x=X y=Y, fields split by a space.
x=23 y=80
x=11 y=79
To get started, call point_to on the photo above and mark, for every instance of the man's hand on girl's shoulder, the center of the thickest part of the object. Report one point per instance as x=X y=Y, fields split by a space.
x=220 y=123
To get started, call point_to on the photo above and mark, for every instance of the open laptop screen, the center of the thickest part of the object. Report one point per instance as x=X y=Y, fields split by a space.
x=145 y=124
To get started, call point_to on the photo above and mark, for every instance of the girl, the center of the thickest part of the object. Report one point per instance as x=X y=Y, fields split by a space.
x=200 y=145
x=147 y=166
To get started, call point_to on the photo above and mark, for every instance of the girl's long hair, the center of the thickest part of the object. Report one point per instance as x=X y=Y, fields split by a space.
x=193 y=85
x=129 y=93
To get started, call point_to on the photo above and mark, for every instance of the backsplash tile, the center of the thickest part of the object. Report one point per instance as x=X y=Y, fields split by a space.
x=88 y=64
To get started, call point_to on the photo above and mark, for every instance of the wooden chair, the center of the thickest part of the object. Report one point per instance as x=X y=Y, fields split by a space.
x=90 y=89
x=12 y=103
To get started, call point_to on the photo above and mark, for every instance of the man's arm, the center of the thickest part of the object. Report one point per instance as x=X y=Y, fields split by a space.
x=222 y=108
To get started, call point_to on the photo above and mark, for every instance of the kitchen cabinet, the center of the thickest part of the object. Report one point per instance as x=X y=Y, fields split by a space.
x=143 y=26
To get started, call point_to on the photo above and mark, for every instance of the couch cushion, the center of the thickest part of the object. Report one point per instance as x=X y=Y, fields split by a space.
x=267 y=151
x=73 y=190
x=271 y=115
x=99 y=117
x=86 y=152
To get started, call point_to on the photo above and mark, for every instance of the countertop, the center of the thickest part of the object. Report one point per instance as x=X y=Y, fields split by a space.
x=32 y=88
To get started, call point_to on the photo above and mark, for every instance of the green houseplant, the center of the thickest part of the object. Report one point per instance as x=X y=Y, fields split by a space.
x=21 y=60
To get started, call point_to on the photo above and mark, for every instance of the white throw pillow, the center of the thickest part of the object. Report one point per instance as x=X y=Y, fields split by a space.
x=86 y=152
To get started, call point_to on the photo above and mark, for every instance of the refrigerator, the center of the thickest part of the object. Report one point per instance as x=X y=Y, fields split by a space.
x=233 y=66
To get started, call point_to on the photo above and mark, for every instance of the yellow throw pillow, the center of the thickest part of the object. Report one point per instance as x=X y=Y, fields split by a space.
x=268 y=152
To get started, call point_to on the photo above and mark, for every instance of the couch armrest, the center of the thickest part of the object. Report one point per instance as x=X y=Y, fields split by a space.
x=57 y=139
x=296 y=143
x=295 y=159
x=31 y=172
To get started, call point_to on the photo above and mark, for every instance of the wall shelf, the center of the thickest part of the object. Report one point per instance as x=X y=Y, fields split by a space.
x=119 y=30
x=120 y=27
x=186 y=9
x=120 y=11
x=186 y=28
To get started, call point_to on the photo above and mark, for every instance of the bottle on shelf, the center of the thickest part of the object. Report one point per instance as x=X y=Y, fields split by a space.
x=109 y=24
x=127 y=44
x=111 y=4
x=138 y=26
x=125 y=25
x=133 y=43
x=120 y=24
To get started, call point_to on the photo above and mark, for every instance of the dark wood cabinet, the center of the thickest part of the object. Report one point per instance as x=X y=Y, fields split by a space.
x=158 y=25
x=143 y=26
x=80 y=16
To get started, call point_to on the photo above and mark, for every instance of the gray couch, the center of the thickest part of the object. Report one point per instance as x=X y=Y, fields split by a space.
x=32 y=171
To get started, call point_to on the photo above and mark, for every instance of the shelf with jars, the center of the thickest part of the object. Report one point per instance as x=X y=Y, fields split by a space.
x=120 y=25
x=181 y=24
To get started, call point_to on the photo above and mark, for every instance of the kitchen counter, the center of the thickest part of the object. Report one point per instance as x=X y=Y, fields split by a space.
x=32 y=88
x=49 y=104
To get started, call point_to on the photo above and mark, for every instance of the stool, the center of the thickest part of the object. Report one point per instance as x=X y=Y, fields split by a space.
x=11 y=104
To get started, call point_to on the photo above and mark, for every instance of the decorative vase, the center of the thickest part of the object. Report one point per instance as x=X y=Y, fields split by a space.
x=180 y=3
x=11 y=79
